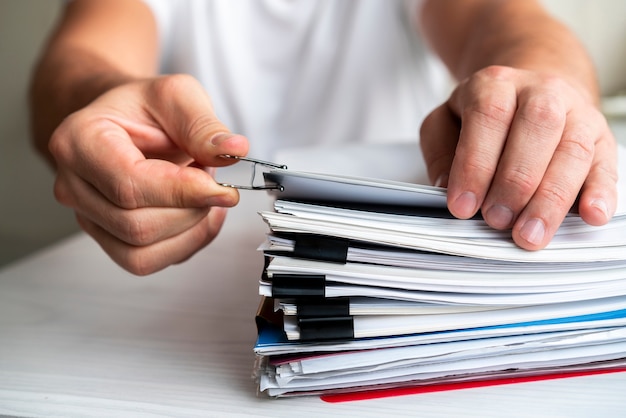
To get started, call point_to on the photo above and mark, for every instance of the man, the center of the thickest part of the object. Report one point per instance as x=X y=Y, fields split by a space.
x=520 y=139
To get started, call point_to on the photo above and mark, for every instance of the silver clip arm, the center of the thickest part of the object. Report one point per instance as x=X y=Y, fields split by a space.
x=254 y=163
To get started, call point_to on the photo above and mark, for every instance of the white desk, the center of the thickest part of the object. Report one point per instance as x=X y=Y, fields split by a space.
x=80 y=337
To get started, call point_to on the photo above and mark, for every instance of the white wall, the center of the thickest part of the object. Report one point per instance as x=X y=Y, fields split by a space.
x=29 y=216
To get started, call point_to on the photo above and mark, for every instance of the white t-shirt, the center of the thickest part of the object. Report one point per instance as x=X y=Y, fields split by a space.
x=302 y=72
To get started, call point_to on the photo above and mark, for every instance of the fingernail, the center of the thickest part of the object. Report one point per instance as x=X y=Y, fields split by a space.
x=499 y=216
x=533 y=231
x=465 y=205
x=601 y=205
x=442 y=180
x=219 y=138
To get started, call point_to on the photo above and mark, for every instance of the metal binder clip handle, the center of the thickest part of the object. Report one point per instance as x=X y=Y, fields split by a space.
x=254 y=163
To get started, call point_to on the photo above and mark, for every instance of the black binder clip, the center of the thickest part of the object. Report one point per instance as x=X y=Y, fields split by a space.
x=255 y=163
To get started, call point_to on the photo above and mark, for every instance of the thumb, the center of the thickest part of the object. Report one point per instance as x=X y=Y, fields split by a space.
x=439 y=135
x=180 y=105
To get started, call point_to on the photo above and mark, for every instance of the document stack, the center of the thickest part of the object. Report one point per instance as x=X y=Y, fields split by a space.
x=372 y=287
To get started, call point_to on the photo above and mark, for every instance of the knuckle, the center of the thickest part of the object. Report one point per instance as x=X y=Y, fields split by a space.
x=578 y=146
x=553 y=83
x=556 y=195
x=67 y=140
x=62 y=192
x=428 y=125
x=606 y=171
x=138 y=262
x=125 y=194
x=490 y=110
x=476 y=168
x=497 y=72
x=544 y=112
x=135 y=230
x=172 y=85
x=521 y=180
x=58 y=145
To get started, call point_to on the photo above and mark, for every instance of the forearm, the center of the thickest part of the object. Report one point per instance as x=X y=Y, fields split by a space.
x=474 y=34
x=60 y=88
x=85 y=57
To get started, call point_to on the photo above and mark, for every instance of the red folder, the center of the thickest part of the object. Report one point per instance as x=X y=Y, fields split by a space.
x=413 y=390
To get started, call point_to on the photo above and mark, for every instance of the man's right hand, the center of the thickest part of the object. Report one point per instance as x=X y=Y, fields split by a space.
x=132 y=166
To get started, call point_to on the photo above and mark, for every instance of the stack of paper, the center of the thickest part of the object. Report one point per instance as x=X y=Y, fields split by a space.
x=372 y=285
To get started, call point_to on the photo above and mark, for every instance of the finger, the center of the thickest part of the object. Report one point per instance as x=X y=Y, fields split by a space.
x=108 y=159
x=162 y=184
x=439 y=135
x=563 y=179
x=179 y=104
x=147 y=136
x=144 y=260
x=486 y=106
x=598 y=197
x=533 y=137
x=141 y=226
